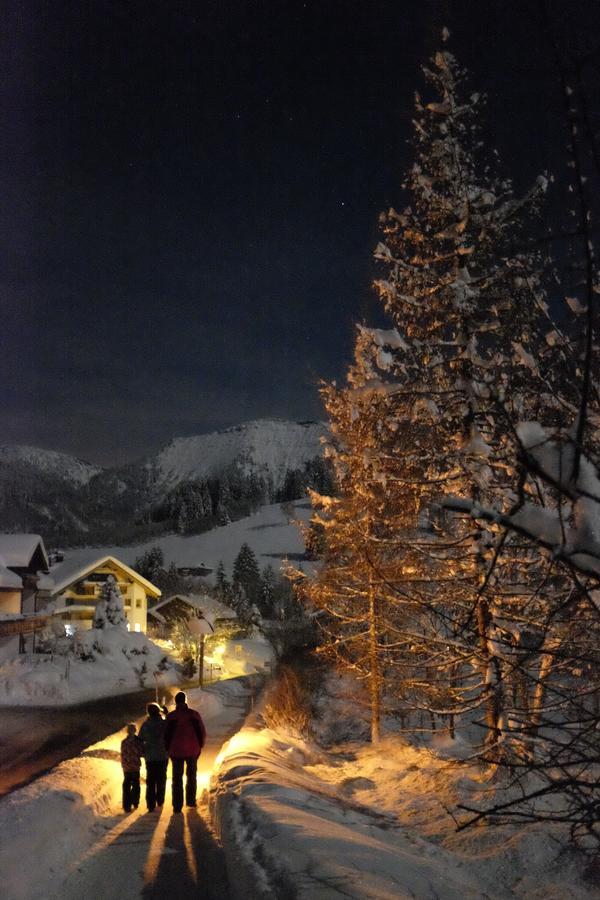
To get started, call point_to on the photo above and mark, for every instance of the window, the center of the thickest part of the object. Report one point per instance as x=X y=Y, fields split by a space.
x=137 y=627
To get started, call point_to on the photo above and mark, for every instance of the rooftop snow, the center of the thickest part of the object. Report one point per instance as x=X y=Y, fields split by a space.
x=9 y=579
x=76 y=567
x=18 y=550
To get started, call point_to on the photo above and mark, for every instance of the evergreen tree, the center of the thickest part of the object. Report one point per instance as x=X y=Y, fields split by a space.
x=468 y=352
x=110 y=610
x=266 y=598
x=246 y=574
x=426 y=413
x=222 y=586
x=172 y=582
x=241 y=604
x=150 y=564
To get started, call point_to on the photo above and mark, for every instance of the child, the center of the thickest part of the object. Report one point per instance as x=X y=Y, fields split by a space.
x=131 y=760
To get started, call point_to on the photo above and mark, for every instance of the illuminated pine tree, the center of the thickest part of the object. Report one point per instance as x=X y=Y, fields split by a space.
x=426 y=414
x=467 y=352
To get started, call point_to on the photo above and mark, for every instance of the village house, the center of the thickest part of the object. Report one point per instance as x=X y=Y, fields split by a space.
x=78 y=584
x=23 y=568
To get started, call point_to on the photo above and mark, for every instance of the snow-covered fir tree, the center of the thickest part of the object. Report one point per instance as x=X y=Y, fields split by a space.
x=267 y=593
x=246 y=574
x=222 y=584
x=151 y=564
x=241 y=605
x=110 y=610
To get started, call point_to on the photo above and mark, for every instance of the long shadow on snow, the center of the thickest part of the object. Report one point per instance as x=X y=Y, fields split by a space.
x=193 y=864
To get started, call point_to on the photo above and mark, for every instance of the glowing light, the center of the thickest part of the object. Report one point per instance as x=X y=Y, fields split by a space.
x=203 y=780
x=242 y=742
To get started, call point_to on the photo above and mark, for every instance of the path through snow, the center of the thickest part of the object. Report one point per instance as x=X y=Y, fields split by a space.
x=65 y=835
x=153 y=855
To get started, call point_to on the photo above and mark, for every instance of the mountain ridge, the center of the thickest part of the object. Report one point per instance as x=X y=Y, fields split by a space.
x=190 y=485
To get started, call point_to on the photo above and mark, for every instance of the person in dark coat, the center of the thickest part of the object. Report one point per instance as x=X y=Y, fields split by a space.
x=131 y=760
x=185 y=736
x=152 y=735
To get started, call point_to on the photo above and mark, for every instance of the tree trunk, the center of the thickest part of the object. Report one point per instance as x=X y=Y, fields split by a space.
x=537 y=701
x=493 y=700
x=374 y=676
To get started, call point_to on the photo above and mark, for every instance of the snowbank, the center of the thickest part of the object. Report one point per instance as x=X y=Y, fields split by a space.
x=372 y=822
x=319 y=843
x=108 y=661
x=48 y=825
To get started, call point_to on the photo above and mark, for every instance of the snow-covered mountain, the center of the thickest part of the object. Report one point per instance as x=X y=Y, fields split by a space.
x=267 y=447
x=70 y=501
x=50 y=462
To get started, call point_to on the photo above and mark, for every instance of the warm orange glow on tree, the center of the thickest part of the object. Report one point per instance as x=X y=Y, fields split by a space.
x=435 y=610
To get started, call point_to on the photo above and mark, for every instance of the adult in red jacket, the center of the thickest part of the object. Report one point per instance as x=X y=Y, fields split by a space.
x=185 y=736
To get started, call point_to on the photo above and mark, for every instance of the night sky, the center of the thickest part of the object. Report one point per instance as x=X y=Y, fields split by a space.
x=191 y=191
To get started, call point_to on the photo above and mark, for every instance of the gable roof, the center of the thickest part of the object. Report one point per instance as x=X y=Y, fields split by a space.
x=209 y=606
x=68 y=572
x=18 y=550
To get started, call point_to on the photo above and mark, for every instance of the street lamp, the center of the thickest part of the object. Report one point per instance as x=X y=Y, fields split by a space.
x=200 y=628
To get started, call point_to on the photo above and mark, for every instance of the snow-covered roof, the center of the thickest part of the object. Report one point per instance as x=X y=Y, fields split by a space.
x=9 y=580
x=68 y=572
x=17 y=550
x=209 y=606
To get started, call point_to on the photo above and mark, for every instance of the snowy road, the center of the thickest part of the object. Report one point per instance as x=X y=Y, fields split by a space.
x=80 y=844
x=33 y=740
x=153 y=855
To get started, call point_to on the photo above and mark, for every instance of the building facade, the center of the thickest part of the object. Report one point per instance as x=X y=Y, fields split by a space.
x=78 y=586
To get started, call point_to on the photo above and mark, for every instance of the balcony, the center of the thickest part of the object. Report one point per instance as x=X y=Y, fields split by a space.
x=92 y=590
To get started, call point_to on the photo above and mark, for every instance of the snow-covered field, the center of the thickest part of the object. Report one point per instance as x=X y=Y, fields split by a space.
x=268 y=532
x=374 y=822
x=65 y=835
